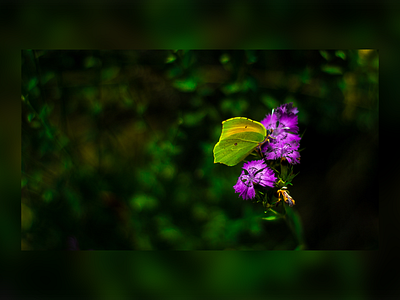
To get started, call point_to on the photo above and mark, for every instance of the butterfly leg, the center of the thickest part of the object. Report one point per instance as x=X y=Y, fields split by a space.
x=259 y=150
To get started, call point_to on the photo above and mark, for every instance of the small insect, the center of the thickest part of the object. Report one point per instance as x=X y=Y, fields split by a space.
x=283 y=193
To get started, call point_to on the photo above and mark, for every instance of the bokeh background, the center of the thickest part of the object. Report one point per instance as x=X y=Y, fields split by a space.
x=117 y=148
x=180 y=24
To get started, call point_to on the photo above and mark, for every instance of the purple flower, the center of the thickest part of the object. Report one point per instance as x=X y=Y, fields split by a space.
x=255 y=172
x=284 y=141
x=287 y=109
x=287 y=117
x=285 y=147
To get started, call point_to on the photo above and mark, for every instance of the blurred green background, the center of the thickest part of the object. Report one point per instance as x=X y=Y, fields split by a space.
x=117 y=148
x=197 y=275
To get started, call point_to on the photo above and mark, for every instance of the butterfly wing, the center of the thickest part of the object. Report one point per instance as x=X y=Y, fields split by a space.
x=230 y=152
x=239 y=137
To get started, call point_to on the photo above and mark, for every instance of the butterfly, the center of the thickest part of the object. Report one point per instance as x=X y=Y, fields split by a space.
x=240 y=136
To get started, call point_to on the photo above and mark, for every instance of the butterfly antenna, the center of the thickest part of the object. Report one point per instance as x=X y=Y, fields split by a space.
x=272 y=115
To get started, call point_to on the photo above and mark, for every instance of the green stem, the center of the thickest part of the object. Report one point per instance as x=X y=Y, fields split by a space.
x=283 y=171
x=293 y=221
x=275 y=212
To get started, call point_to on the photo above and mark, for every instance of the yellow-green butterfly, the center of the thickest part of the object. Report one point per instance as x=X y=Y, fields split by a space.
x=239 y=137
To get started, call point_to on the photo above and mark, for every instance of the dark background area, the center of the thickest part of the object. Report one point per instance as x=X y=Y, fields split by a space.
x=196 y=275
x=117 y=148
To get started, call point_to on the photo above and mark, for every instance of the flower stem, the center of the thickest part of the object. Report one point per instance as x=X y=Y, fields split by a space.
x=283 y=171
x=294 y=223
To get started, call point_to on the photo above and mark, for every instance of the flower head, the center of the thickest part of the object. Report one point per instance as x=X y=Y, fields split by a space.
x=285 y=147
x=284 y=141
x=287 y=117
x=254 y=172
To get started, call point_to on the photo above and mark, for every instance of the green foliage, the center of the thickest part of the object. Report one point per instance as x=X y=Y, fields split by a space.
x=332 y=69
x=32 y=83
x=325 y=54
x=117 y=145
x=170 y=58
x=340 y=54
x=186 y=85
x=224 y=58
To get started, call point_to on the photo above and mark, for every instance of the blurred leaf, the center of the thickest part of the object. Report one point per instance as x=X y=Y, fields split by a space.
x=45 y=111
x=24 y=182
x=305 y=75
x=224 y=58
x=250 y=84
x=331 y=69
x=232 y=88
x=271 y=215
x=341 y=84
x=97 y=108
x=251 y=57
x=31 y=116
x=32 y=83
x=170 y=58
x=50 y=132
x=185 y=85
x=109 y=73
x=325 y=55
x=91 y=62
x=271 y=218
x=47 y=196
x=143 y=202
x=340 y=54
